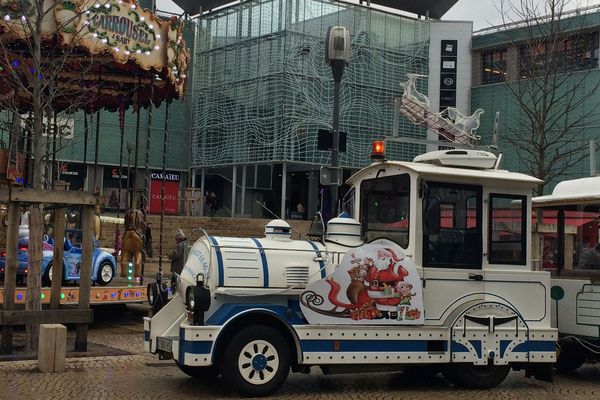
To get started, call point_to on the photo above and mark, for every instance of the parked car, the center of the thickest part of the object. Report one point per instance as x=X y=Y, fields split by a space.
x=104 y=265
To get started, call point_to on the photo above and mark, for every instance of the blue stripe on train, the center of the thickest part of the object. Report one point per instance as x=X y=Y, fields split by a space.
x=265 y=266
x=228 y=311
x=321 y=263
x=219 y=260
x=371 y=346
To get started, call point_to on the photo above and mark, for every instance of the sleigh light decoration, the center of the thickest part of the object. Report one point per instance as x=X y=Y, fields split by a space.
x=450 y=124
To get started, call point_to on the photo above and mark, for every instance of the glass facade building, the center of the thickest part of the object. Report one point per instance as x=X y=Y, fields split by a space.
x=262 y=89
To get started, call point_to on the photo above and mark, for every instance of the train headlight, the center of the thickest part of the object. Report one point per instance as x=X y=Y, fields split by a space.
x=174 y=281
x=151 y=293
x=190 y=301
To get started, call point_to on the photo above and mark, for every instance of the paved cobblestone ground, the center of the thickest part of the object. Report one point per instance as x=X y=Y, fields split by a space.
x=143 y=376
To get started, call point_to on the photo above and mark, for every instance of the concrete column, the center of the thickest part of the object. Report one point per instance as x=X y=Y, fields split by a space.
x=233 y=190
x=283 y=189
x=202 y=189
x=243 y=191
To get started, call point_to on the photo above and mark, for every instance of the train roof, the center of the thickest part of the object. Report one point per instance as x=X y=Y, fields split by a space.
x=432 y=170
x=467 y=165
x=574 y=191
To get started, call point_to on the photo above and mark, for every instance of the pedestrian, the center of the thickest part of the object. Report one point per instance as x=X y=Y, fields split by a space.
x=177 y=254
x=209 y=203
x=148 y=240
x=590 y=258
x=213 y=203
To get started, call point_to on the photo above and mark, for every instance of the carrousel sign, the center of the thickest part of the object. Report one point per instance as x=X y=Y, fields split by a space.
x=120 y=29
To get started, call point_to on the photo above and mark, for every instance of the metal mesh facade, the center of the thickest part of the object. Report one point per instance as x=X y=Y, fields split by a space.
x=262 y=89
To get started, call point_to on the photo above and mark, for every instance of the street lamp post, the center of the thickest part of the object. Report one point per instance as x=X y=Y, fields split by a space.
x=337 y=55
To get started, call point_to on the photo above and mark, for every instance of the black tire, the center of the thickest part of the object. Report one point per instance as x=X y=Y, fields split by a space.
x=256 y=361
x=46 y=279
x=476 y=376
x=569 y=361
x=103 y=278
x=210 y=372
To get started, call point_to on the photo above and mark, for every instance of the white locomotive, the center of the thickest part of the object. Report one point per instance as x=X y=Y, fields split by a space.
x=431 y=265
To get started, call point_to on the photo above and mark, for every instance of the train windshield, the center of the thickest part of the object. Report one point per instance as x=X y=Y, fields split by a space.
x=384 y=208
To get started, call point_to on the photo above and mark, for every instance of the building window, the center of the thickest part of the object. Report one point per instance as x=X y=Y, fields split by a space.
x=575 y=53
x=493 y=66
x=507 y=229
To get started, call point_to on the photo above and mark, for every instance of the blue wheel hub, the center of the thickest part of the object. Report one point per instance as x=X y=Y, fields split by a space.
x=259 y=362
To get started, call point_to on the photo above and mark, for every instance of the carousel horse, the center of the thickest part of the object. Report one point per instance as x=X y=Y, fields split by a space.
x=132 y=245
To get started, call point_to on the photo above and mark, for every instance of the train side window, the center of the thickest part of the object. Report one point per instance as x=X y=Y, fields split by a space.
x=507 y=227
x=457 y=240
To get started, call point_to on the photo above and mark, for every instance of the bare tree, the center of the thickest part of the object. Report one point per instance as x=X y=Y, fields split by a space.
x=550 y=84
x=40 y=75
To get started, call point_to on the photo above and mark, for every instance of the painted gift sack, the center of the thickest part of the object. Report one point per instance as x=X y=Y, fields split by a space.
x=374 y=284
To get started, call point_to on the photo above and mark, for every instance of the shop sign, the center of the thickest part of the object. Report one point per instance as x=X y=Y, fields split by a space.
x=68 y=169
x=171 y=203
x=169 y=176
x=113 y=173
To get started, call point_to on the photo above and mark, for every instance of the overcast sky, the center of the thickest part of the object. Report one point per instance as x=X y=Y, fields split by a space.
x=483 y=13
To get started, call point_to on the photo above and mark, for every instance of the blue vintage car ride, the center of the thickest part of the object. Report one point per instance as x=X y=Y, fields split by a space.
x=104 y=265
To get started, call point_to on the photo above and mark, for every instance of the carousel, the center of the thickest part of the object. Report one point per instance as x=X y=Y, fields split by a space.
x=95 y=56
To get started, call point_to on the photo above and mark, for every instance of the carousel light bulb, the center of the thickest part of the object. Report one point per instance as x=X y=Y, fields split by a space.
x=107 y=5
x=120 y=1
x=87 y=11
x=23 y=18
x=156 y=47
x=97 y=5
x=150 y=27
x=95 y=35
x=142 y=18
x=104 y=40
x=147 y=53
x=7 y=17
x=86 y=22
x=133 y=6
x=184 y=76
x=127 y=52
x=158 y=36
x=138 y=51
x=117 y=49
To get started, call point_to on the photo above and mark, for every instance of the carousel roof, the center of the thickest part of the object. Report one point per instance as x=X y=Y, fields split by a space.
x=94 y=54
x=435 y=8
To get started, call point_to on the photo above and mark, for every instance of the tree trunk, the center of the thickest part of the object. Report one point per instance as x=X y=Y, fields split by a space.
x=35 y=211
x=34 y=275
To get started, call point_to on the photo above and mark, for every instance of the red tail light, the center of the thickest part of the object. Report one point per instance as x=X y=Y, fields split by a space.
x=3 y=254
x=26 y=270
x=23 y=248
